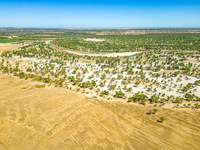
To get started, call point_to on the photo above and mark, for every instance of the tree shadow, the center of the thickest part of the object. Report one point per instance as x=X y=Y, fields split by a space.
x=159 y=121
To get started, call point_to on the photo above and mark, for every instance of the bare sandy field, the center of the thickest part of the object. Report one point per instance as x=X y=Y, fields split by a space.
x=55 y=118
x=9 y=47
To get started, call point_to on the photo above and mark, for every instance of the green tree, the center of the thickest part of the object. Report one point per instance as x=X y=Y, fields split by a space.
x=155 y=110
x=119 y=94
x=196 y=105
x=162 y=119
x=21 y=75
x=137 y=83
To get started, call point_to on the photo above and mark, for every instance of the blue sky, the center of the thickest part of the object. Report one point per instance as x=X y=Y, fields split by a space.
x=97 y=14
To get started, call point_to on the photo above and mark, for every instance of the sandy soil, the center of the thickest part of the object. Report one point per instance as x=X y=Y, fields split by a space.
x=104 y=54
x=94 y=40
x=54 y=118
x=9 y=47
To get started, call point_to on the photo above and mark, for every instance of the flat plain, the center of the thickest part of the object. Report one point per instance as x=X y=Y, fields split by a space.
x=56 y=118
x=9 y=47
x=60 y=91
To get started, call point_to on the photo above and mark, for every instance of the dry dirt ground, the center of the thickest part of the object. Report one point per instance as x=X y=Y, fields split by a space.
x=55 y=118
x=94 y=40
x=9 y=47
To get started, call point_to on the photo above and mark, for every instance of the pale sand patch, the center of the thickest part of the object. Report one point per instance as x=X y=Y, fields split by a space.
x=95 y=40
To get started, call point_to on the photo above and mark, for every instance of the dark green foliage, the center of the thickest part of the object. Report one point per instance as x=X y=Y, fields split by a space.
x=155 y=110
x=179 y=100
x=126 y=43
x=140 y=98
x=104 y=93
x=119 y=94
x=112 y=87
x=21 y=75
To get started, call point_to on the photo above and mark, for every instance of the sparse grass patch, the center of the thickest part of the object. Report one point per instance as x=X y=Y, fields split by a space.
x=7 y=40
x=40 y=86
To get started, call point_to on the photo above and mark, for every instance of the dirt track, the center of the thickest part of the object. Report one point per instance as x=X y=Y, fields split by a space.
x=54 y=118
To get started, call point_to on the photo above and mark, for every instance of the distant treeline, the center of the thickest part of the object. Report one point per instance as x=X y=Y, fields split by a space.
x=129 y=43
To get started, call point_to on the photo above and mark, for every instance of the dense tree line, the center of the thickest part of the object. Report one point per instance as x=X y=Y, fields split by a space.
x=129 y=43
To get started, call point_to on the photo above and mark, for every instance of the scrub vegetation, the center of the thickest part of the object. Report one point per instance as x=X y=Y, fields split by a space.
x=159 y=87
x=131 y=43
x=150 y=78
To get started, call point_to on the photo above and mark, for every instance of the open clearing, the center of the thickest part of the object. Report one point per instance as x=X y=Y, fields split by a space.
x=55 y=118
x=94 y=40
x=101 y=54
x=9 y=47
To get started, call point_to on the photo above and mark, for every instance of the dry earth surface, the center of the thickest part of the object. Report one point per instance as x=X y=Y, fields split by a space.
x=55 y=118
x=9 y=47
x=94 y=40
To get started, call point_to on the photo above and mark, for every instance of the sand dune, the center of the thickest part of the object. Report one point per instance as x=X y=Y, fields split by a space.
x=55 y=118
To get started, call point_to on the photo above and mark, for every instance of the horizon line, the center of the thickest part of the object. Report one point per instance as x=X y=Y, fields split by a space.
x=197 y=27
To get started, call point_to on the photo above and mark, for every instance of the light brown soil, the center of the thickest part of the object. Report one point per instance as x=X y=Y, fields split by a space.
x=95 y=40
x=54 y=118
x=9 y=47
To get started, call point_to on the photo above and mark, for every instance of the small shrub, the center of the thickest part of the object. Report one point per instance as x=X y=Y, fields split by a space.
x=162 y=119
x=40 y=86
x=155 y=110
x=150 y=112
